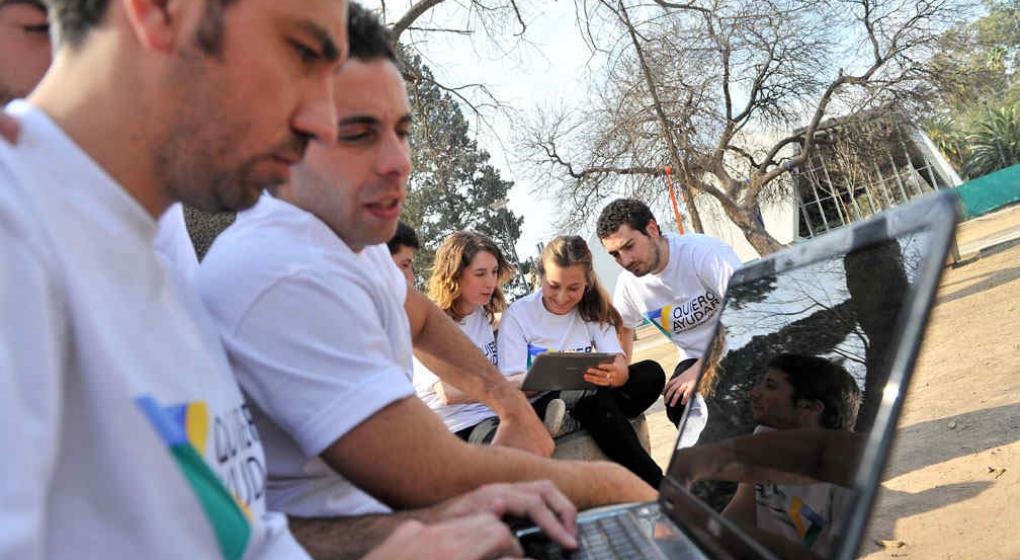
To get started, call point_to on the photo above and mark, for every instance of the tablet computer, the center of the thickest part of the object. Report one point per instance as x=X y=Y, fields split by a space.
x=563 y=371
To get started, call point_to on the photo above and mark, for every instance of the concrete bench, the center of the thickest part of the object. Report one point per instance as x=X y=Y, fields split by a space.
x=579 y=446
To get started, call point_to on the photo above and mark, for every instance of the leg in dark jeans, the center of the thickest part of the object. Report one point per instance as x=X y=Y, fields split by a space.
x=675 y=413
x=606 y=416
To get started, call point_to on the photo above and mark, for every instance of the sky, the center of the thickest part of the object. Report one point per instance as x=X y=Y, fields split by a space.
x=547 y=69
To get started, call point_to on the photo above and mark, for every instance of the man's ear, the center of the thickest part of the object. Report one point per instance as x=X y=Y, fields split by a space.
x=155 y=23
x=652 y=229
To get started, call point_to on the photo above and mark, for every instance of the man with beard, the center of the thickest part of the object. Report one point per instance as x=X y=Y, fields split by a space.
x=675 y=282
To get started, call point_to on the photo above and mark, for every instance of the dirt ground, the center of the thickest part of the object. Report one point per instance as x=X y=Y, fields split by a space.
x=951 y=490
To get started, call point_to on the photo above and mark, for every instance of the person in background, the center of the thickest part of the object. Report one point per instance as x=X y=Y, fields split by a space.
x=571 y=312
x=466 y=282
x=403 y=246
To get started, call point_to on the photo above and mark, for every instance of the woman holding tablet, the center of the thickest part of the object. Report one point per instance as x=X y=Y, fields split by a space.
x=572 y=313
x=466 y=281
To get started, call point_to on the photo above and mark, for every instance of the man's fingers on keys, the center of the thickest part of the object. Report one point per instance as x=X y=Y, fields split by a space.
x=548 y=508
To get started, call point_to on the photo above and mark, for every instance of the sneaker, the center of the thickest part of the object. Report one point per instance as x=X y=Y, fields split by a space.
x=555 y=412
x=483 y=433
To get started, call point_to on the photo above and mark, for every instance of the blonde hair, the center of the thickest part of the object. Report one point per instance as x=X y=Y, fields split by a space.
x=571 y=250
x=712 y=364
x=452 y=258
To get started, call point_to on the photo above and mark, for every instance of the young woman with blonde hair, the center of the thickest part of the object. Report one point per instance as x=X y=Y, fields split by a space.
x=571 y=312
x=466 y=281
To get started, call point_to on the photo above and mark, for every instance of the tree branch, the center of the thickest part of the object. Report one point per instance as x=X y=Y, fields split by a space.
x=413 y=13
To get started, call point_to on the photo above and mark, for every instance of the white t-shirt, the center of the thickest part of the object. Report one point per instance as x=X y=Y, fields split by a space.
x=810 y=514
x=318 y=338
x=528 y=329
x=684 y=300
x=173 y=243
x=125 y=434
x=476 y=327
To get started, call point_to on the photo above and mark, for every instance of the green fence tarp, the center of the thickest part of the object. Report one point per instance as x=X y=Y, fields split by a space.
x=991 y=192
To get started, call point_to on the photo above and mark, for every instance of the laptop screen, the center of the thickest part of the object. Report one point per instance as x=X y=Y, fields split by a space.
x=792 y=386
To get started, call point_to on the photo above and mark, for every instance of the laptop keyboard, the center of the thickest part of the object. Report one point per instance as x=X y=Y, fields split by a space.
x=609 y=537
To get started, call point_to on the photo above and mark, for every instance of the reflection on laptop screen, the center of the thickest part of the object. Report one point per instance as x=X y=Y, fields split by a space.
x=802 y=352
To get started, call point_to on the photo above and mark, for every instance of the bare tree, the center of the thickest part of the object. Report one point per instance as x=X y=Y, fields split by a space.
x=500 y=24
x=705 y=85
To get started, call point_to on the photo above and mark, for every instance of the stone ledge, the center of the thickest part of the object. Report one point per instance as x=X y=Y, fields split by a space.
x=579 y=446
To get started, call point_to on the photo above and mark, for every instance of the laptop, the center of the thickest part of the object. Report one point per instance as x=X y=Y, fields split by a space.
x=859 y=297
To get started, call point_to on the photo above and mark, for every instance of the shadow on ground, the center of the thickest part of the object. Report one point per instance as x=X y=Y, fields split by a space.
x=973 y=432
x=990 y=281
x=895 y=505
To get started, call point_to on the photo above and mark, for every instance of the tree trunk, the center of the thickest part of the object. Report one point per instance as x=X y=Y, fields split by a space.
x=692 y=208
x=747 y=220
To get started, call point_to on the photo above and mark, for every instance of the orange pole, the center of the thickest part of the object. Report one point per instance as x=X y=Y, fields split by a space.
x=672 y=198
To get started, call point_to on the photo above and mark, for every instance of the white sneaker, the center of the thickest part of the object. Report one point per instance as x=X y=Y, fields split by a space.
x=555 y=412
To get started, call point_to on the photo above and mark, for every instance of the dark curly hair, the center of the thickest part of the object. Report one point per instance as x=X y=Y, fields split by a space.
x=367 y=36
x=629 y=211
x=819 y=379
x=405 y=237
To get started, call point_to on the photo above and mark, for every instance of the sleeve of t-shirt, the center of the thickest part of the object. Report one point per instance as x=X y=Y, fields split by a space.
x=632 y=317
x=512 y=343
x=30 y=396
x=716 y=266
x=605 y=338
x=317 y=362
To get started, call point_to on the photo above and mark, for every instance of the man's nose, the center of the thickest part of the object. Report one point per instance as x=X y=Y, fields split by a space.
x=316 y=115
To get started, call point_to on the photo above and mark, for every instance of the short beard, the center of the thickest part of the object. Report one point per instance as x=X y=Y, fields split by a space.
x=657 y=258
x=193 y=158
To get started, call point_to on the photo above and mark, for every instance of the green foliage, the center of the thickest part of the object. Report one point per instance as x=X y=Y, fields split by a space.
x=994 y=142
x=975 y=75
x=453 y=186
x=977 y=61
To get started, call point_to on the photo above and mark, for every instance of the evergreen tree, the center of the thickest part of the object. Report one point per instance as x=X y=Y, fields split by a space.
x=453 y=185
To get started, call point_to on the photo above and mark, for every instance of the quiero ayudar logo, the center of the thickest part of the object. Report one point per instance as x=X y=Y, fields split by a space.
x=675 y=319
x=184 y=429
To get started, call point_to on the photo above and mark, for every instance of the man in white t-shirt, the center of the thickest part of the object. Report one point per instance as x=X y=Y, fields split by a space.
x=676 y=283
x=140 y=442
x=319 y=324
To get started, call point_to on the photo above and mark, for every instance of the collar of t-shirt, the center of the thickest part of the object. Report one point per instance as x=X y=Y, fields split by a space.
x=44 y=149
x=308 y=228
x=272 y=210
